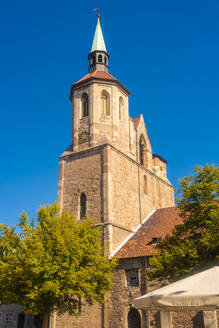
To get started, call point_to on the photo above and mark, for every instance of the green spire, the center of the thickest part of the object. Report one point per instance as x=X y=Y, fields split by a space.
x=98 y=43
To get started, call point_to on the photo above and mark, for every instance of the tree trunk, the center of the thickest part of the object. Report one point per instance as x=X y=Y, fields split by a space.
x=45 y=323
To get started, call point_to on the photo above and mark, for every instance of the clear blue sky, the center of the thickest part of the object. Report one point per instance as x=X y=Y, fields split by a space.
x=165 y=52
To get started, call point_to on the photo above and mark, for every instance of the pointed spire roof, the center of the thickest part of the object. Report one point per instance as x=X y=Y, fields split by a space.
x=98 y=42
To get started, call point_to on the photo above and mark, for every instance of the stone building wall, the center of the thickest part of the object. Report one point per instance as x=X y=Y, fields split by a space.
x=120 y=192
x=114 y=313
x=119 y=302
x=81 y=172
x=134 y=193
x=102 y=128
x=91 y=316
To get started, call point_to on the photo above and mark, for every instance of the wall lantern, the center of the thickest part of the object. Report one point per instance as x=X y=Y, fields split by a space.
x=130 y=298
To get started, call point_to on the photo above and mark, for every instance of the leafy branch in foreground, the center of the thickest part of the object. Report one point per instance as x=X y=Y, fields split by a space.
x=194 y=244
x=54 y=265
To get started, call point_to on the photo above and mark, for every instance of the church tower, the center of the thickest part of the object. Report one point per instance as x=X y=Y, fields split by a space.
x=109 y=172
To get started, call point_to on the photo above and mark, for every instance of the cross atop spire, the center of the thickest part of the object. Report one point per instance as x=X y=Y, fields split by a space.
x=98 y=42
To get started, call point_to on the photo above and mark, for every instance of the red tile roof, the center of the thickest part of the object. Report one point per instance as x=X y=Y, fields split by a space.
x=158 y=225
x=135 y=120
x=98 y=75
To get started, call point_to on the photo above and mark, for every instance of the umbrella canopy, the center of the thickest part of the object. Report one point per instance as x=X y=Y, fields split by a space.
x=200 y=291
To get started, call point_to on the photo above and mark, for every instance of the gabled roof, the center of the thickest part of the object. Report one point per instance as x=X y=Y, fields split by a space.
x=161 y=158
x=98 y=42
x=159 y=224
x=135 y=121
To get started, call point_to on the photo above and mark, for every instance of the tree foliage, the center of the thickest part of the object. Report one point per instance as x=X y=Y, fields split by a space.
x=53 y=265
x=194 y=244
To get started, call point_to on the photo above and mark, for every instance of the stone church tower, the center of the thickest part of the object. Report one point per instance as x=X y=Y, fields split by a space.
x=109 y=172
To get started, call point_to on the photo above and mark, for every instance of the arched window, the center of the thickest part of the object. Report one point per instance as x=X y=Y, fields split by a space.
x=134 y=319
x=85 y=105
x=100 y=58
x=141 y=149
x=105 y=103
x=145 y=185
x=105 y=60
x=121 y=108
x=83 y=205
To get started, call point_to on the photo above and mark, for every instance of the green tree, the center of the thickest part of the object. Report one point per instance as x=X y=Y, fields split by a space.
x=53 y=265
x=194 y=244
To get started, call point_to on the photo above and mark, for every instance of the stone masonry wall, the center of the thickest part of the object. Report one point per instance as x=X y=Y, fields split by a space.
x=119 y=302
x=90 y=317
x=120 y=192
x=134 y=193
x=81 y=172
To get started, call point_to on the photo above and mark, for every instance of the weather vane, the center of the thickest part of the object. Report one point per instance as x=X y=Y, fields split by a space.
x=98 y=11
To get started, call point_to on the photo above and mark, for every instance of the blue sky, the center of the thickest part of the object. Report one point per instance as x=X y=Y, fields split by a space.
x=165 y=52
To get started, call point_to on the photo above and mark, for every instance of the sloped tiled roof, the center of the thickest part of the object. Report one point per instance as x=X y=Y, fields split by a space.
x=135 y=120
x=160 y=224
x=98 y=75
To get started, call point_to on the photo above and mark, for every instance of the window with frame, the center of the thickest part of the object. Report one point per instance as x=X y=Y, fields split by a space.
x=105 y=103
x=121 y=108
x=8 y=317
x=141 y=149
x=145 y=185
x=100 y=58
x=83 y=205
x=132 y=277
x=85 y=105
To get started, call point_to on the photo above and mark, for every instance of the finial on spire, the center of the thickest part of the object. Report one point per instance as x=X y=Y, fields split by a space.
x=98 y=57
x=98 y=11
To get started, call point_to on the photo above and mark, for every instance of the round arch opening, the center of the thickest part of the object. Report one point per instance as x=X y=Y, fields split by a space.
x=134 y=319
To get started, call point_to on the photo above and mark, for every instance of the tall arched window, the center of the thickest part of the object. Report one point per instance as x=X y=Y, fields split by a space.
x=121 y=108
x=145 y=185
x=100 y=58
x=85 y=104
x=141 y=149
x=83 y=205
x=105 y=103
